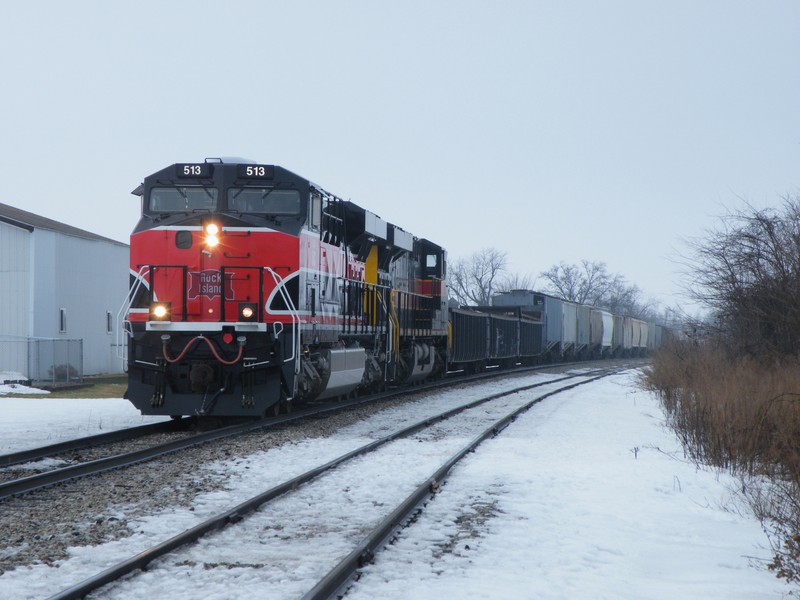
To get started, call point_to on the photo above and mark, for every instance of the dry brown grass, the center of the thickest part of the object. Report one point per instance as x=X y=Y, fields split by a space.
x=101 y=386
x=742 y=415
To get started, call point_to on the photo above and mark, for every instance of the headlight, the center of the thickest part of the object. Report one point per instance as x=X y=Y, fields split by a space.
x=160 y=311
x=248 y=311
x=212 y=234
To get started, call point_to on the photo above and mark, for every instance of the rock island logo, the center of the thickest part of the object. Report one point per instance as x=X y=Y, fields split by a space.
x=209 y=284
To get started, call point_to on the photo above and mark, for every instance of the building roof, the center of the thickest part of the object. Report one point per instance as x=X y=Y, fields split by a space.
x=30 y=221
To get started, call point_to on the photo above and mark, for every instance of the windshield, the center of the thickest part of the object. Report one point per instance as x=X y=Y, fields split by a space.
x=264 y=201
x=182 y=199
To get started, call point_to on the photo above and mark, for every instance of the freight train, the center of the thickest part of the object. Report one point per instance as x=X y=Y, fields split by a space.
x=254 y=290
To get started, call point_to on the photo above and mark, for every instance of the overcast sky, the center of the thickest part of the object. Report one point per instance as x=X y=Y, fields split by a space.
x=554 y=131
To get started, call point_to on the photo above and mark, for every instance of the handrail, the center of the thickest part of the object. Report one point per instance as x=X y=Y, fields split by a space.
x=123 y=322
x=295 y=318
x=390 y=332
x=395 y=319
x=389 y=336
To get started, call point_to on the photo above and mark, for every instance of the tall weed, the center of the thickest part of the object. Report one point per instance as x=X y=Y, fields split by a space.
x=742 y=415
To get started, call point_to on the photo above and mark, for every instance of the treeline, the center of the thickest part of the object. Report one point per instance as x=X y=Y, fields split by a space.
x=732 y=390
x=748 y=273
x=475 y=279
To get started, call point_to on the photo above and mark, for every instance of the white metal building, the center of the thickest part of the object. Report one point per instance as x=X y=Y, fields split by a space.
x=58 y=283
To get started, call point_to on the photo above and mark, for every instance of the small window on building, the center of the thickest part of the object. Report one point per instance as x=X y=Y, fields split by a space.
x=109 y=322
x=62 y=320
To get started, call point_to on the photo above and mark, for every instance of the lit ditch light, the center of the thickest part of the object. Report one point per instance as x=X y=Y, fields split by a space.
x=160 y=311
x=248 y=312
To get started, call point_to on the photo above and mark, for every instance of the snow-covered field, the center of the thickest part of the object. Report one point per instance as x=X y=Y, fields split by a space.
x=32 y=422
x=586 y=496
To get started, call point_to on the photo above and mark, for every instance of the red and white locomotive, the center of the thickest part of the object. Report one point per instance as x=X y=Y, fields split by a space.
x=253 y=289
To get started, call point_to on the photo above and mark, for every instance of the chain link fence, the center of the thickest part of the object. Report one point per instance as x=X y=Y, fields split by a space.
x=42 y=359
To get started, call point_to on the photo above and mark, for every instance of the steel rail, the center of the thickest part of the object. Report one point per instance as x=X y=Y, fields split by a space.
x=38 y=453
x=121 y=435
x=238 y=513
x=340 y=577
x=24 y=485
x=31 y=483
x=84 y=443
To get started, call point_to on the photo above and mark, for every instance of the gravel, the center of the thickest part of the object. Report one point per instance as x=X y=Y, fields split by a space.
x=38 y=527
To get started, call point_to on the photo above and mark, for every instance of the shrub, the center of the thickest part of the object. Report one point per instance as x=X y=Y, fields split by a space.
x=743 y=415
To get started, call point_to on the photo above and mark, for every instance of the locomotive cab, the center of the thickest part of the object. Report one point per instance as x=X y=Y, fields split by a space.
x=246 y=194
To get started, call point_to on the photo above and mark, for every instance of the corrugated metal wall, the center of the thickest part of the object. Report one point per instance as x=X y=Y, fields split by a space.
x=87 y=279
x=15 y=291
x=59 y=286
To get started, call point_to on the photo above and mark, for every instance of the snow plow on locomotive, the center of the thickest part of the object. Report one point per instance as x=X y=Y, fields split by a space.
x=253 y=289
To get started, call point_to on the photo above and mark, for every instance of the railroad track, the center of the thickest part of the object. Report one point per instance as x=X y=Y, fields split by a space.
x=55 y=476
x=339 y=576
x=84 y=443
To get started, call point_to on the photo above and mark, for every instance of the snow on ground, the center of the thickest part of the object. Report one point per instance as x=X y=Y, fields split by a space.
x=15 y=388
x=586 y=496
x=32 y=422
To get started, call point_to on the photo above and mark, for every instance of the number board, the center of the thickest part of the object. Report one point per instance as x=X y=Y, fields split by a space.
x=255 y=172
x=194 y=170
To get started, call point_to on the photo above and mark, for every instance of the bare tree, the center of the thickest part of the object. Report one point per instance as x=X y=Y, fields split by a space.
x=591 y=283
x=623 y=298
x=474 y=280
x=585 y=283
x=516 y=281
x=748 y=272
